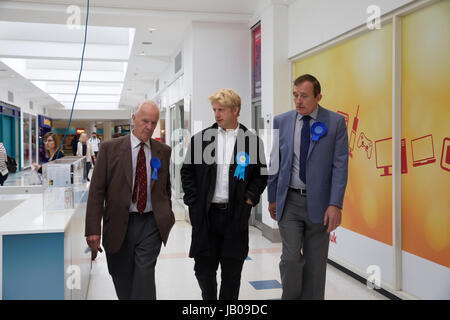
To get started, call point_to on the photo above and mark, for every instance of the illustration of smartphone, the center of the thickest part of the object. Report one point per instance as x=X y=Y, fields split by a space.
x=445 y=155
x=351 y=144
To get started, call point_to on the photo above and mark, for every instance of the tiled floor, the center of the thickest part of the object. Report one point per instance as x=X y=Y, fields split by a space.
x=175 y=279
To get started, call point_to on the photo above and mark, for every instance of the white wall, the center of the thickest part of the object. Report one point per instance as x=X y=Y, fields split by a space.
x=221 y=59
x=100 y=115
x=21 y=102
x=215 y=55
x=275 y=83
x=314 y=22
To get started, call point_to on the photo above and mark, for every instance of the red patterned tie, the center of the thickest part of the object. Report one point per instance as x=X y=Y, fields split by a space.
x=140 y=181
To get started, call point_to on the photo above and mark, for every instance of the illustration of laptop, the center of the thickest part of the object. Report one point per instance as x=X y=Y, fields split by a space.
x=422 y=151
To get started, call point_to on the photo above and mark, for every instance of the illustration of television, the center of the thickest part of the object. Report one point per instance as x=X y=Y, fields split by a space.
x=383 y=155
x=422 y=151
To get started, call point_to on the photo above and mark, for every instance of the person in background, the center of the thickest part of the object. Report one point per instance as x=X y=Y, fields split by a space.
x=74 y=144
x=85 y=149
x=94 y=141
x=3 y=167
x=51 y=145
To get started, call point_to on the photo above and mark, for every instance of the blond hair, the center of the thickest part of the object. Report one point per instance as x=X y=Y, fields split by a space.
x=227 y=98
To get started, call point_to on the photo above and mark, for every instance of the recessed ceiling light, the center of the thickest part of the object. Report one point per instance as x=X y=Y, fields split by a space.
x=146 y=42
x=151 y=29
x=142 y=53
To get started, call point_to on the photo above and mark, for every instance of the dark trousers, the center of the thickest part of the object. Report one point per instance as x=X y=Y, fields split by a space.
x=93 y=161
x=206 y=266
x=132 y=268
x=88 y=168
x=3 y=178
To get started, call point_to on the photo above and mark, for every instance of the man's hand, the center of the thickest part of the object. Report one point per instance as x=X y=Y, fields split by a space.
x=332 y=217
x=273 y=210
x=93 y=242
x=249 y=202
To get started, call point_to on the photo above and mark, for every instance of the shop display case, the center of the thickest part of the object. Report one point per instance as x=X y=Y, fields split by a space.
x=63 y=182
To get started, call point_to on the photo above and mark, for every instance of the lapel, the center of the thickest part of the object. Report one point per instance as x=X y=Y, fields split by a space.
x=211 y=169
x=320 y=118
x=126 y=160
x=155 y=152
x=290 y=127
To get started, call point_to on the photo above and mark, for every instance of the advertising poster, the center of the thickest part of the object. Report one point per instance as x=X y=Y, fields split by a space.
x=256 y=62
x=426 y=130
x=356 y=80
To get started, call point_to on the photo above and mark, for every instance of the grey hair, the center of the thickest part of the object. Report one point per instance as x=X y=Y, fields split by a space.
x=138 y=107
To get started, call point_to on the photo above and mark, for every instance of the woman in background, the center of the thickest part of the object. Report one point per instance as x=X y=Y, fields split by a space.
x=85 y=149
x=51 y=145
x=3 y=167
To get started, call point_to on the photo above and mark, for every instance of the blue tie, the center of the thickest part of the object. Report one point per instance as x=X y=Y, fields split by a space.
x=304 y=147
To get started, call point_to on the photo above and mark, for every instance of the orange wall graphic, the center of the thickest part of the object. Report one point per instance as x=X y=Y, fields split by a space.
x=426 y=129
x=356 y=80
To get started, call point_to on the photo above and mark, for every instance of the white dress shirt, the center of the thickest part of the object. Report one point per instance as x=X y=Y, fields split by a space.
x=135 y=147
x=94 y=143
x=295 y=181
x=226 y=139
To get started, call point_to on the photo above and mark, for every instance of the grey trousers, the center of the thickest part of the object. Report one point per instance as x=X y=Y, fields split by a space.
x=132 y=268
x=303 y=262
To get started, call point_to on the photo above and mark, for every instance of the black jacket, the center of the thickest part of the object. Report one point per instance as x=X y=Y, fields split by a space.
x=199 y=179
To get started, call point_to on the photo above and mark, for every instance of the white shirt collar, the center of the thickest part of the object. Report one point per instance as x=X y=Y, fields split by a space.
x=135 y=142
x=312 y=114
x=229 y=131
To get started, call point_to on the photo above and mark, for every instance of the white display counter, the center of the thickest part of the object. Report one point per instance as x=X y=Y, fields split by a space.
x=43 y=254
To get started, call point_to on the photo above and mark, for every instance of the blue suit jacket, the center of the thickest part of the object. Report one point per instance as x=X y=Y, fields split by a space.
x=326 y=165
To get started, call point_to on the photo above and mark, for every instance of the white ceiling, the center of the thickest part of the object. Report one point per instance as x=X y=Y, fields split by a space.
x=43 y=53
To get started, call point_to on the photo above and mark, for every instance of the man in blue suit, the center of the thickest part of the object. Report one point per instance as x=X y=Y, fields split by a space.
x=307 y=191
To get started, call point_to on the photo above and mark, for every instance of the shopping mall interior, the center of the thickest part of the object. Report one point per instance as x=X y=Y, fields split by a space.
x=383 y=65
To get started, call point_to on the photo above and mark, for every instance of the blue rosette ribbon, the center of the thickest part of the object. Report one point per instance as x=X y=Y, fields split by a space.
x=318 y=130
x=242 y=160
x=155 y=164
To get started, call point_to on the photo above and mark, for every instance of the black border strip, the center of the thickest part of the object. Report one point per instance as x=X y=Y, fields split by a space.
x=381 y=291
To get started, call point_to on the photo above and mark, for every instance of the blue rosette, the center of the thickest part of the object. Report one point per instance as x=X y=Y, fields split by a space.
x=242 y=161
x=318 y=130
x=155 y=164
